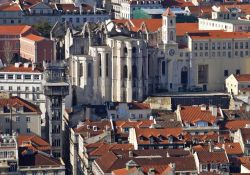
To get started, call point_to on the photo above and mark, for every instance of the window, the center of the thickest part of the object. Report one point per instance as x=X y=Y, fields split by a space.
x=18 y=77
x=10 y=76
x=26 y=96
x=213 y=46
x=100 y=64
x=1 y=76
x=26 y=88
x=89 y=70
x=7 y=120
x=229 y=45
x=56 y=142
x=202 y=74
x=236 y=45
x=28 y=130
x=246 y=45
x=237 y=71
x=241 y=54
x=1 y=88
x=218 y=46
x=204 y=167
x=125 y=50
x=213 y=166
x=77 y=20
x=17 y=119
x=225 y=73
x=125 y=71
x=36 y=77
x=195 y=46
x=163 y=68
x=241 y=45
x=10 y=88
x=229 y=54
x=27 y=77
x=27 y=119
x=206 y=46
x=134 y=50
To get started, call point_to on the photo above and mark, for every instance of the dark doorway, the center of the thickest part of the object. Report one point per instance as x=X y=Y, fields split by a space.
x=184 y=76
x=204 y=87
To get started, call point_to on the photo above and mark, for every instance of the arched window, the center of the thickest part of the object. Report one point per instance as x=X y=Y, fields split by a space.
x=86 y=34
x=171 y=22
x=125 y=50
x=134 y=71
x=134 y=50
x=125 y=72
x=89 y=70
x=171 y=35
x=163 y=68
x=100 y=64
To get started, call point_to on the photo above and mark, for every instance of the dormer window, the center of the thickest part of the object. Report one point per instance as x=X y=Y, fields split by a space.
x=170 y=139
x=94 y=128
x=151 y=139
x=141 y=138
x=160 y=137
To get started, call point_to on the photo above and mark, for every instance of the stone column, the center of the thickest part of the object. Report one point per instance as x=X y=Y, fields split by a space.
x=140 y=64
x=129 y=66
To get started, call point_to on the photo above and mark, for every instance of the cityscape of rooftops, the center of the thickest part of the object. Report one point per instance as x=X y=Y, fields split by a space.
x=124 y=87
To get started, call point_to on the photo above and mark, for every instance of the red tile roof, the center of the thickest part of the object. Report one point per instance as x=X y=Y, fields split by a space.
x=120 y=125
x=105 y=147
x=17 y=101
x=217 y=34
x=10 y=7
x=30 y=158
x=13 y=29
x=21 y=68
x=192 y=114
x=212 y=157
x=245 y=161
x=34 y=37
x=87 y=128
x=165 y=133
x=236 y=124
x=33 y=142
x=243 y=77
x=183 y=28
x=230 y=148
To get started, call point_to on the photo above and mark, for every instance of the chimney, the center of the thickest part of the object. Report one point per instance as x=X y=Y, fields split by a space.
x=211 y=147
x=33 y=66
x=213 y=110
x=223 y=146
x=130 y=153
x=203 y=107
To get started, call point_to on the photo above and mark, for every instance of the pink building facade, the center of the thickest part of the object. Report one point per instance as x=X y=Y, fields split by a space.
x=22 y=40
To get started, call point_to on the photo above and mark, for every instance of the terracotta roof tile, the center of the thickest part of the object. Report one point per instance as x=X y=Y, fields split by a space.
x=105 y=147
x=17 y=101
x=33 y=141
x=160 y=136
x=34 y=37
x=192 y=114
x=243 y=77
x=212 y=157
x=217 y=34
x=13 y=29
x=230 y=148
x=37 y=159
x=236 y=124
x=183 y=28
x=21 y=68
x=10 y=7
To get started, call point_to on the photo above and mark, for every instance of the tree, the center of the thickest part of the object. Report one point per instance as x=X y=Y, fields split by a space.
x=7 y=49
x=44 y=28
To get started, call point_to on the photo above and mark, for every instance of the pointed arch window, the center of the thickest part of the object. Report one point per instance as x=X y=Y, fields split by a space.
x=125 y=71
